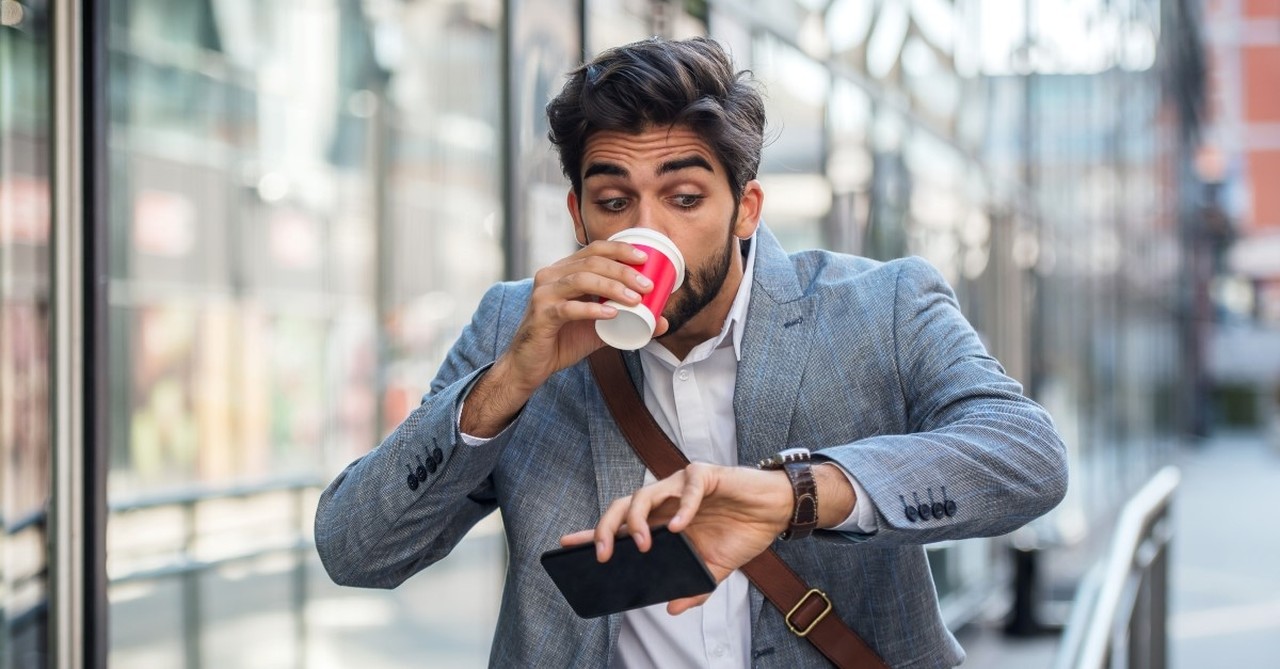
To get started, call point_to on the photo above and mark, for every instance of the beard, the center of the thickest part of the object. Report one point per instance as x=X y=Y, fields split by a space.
x=702 y=285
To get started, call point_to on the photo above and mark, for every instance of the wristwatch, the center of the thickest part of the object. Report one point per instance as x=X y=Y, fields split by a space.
x=804 y=513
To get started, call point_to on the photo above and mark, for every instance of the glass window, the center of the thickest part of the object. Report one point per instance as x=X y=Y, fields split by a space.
x=937 y=205
x=614 y=22
x=306 y=203
x=793 y=166
x=25 y=392
x=849 y=165
x=888 y=220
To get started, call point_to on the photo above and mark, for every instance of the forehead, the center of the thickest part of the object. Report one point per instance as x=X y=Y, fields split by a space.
x=646 y=149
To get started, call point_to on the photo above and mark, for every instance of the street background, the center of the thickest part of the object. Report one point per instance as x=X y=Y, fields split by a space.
x=238 y=237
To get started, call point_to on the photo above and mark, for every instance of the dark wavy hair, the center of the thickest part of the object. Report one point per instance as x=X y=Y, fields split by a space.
x=660 y=83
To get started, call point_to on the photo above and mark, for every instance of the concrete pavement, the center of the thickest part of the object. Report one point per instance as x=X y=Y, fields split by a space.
x=1224 y=588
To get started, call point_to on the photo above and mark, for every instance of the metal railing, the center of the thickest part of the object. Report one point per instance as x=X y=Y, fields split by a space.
x=188 y=568
x=1120 y=615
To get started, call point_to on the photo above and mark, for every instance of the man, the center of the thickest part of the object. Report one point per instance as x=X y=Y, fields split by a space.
x=916 y=433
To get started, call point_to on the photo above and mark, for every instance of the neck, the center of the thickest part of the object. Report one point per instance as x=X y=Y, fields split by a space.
x=708 y=323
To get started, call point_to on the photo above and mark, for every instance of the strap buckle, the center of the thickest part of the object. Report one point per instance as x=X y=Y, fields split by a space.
x=817 y=619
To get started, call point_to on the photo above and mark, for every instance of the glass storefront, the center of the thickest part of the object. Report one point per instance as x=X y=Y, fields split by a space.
x=25 y=369
x=305 y=204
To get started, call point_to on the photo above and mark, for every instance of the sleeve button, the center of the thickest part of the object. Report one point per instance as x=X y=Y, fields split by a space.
x=925 y=511
x=413 y=482
x=911 y=513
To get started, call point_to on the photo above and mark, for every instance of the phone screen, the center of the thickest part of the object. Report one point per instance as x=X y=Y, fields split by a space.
x=630 y=579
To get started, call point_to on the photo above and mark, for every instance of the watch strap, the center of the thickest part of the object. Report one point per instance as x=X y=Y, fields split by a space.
x=804 y=510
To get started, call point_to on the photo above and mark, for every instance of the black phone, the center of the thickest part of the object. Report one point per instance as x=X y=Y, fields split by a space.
x=630 y=579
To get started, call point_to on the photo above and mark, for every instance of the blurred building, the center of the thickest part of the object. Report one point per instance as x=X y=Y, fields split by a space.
x=1242 y=138
x=237 y=237
x=1240 y=163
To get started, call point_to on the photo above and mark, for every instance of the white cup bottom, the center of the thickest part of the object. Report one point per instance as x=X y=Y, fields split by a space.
x=630 y=330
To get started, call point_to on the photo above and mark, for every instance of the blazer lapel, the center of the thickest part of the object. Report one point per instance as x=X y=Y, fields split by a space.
x=775 y=348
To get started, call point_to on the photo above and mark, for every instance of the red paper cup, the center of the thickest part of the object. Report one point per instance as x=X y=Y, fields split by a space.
x=633 y=327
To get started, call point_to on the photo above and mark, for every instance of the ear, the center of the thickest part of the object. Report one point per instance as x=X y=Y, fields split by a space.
x=749 y=208
x=575 y=211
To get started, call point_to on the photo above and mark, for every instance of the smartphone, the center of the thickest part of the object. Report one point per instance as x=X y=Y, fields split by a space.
x=630 y=579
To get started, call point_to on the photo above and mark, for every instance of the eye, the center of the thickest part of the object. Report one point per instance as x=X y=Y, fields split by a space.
x=687 y=200
x=613 y=204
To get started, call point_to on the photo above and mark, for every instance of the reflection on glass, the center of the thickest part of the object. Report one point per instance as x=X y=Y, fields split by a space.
x=614 y=22
x=792 y=169
x=305 y=197
x=25 y=393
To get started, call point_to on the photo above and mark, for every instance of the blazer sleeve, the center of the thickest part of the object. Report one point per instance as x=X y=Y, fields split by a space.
x=973 y=448
x=375 y=529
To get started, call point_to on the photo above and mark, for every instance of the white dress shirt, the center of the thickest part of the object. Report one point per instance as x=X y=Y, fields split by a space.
x=692 y=401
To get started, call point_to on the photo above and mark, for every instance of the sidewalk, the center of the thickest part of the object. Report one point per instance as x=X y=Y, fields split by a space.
x=1224 y=588
x=1225 y=595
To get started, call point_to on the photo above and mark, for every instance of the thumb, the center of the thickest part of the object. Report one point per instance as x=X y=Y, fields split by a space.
x=677 y=606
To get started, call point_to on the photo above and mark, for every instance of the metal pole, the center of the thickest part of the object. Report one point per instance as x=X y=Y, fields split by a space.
x=190 y=593
x=1158 y=606
x=66 y=537
x=300 y=554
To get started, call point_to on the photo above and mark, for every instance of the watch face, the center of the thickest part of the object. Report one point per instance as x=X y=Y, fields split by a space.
x=780 y=459
x=793 y=454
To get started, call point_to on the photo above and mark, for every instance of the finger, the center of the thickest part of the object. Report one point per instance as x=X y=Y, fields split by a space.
x=646 y=505
x=619 y=251
x=590 y=284
x=662 y=326
x=694 y=489
x=626 y=276
x=567 y=311
x=577 y=538
x=608 y=527
x=677 y=606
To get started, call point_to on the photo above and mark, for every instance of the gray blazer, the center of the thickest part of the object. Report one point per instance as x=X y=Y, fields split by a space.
x=869 y=364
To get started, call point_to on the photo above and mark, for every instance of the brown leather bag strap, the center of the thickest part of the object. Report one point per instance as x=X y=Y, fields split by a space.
x=807 y=611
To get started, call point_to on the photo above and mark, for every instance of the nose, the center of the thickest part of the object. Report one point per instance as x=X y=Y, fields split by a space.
x=649 y=215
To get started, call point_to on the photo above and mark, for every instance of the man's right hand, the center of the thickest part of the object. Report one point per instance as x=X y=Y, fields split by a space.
x=558 y=329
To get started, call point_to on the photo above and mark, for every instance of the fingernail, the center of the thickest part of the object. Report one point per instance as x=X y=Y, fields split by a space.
x=643 y=281
x=608 y=310
x=599 y=549
x=631 y=294
x=675 y=520
x=638 y=254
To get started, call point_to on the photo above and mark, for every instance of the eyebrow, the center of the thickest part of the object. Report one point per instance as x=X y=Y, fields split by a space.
x=607 y=169
x=610 y=169
x=684 y=163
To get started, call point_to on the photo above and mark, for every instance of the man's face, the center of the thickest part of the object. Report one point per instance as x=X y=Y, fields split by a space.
x=668 y=180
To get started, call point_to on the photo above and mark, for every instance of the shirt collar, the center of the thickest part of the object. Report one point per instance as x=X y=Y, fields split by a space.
x=737 y=320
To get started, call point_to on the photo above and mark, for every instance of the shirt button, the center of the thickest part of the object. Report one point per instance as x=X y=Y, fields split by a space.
x=684 y=375
x=720 y=650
